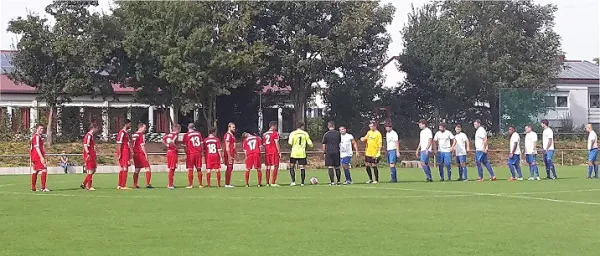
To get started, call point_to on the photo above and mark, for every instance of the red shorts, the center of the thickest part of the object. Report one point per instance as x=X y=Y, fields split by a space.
x=193 y=161
x=140 y=161
x=91 y=163
x=226 y=158
x=37 y=165
x=171 y=160
x=253 y=162
x=213 y=162
x=124 y=161
x=272 y=159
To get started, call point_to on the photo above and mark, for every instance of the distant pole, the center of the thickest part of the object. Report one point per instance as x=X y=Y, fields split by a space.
x=260 y=113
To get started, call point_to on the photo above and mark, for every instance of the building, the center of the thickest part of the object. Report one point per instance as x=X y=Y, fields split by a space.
x=577 y=94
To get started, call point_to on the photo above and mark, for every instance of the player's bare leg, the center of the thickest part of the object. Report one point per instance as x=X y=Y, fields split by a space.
x=148 y=177
x=247 y=177
x=136 y=177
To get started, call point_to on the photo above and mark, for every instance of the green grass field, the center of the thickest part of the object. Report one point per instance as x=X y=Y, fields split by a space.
x=557 y=217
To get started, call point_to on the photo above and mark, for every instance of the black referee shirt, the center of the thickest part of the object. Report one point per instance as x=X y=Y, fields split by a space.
x=331 y=140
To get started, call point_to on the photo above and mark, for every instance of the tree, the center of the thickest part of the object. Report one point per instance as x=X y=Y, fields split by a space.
x=596 y=60
x=185 y=53
x=459 y=54
x=73 y=57
x=359 y=49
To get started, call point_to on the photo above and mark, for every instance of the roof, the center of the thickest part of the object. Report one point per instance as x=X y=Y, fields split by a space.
x=581 y=70
x=8 y=86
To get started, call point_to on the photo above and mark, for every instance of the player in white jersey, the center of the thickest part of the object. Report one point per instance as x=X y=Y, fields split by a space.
x=444 y=140
x=392 y=144
x=424 y=149
x=514 y=155
x=548 y=148
x=481 y=148
x=460 y=147
x=531 y=152
x=346 y=144
x=592 y=146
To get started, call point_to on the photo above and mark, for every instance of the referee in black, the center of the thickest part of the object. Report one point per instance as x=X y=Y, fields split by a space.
x=331 y=149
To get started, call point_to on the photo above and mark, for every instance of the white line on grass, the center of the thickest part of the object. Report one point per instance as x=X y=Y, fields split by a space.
x=90 y=195
x=499 y=195
x=6 y=185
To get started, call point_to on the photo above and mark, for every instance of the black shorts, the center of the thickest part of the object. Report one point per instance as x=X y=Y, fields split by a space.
x=371 y=160
x=299 y=161
x=332 y=159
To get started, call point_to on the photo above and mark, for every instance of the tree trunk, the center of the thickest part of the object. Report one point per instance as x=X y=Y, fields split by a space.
x=209 y=110
x=495 y=114
x=49 y=126
x=299 y=100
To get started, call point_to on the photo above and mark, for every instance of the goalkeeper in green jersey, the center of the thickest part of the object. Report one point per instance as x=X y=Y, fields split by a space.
x=299 y=139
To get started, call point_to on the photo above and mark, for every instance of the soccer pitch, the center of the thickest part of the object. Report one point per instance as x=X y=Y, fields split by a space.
x=408 y=218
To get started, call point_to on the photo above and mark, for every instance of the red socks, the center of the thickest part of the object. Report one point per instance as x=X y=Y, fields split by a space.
x=228 y=174
x=199 y=177
x=33 y=181
x=44 y=177
x=171 y=176
x=208 y=179
x=247 y=176
x=87 y=182
x=148 y=177
x=259 y=175
x=191 y=178
x=275 y=171
x=123 y=178
x=120 y=179
x=268 y=178
x=219 y=178
x=136 y=177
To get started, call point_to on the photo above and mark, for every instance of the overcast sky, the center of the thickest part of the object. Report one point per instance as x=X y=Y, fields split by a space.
x=577 y=22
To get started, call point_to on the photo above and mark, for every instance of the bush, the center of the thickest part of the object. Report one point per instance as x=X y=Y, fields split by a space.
x=315 y=127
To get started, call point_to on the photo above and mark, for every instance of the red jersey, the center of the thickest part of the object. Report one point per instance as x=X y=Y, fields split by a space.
x=252 y=145
x=123 y=140
x=138 y=142
x=36 y=142
x=211 y=146
x=193 y=142
x=172 y=145
x=269 y=138
x=229 y=137
x=88 y=140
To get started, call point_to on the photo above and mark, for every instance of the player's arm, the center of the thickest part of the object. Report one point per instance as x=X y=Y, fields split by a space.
x=308 y=141
x=379 y=144
x=433 y=143
x=119 y=145
x=397 y=146
x=291 y=139
x=513 y=148
x=86 y=145
x=277 y=146
x=485 y=143
x=227 y=144
x=468 y=145
x=38 y=151
x=550 y=141
x=453 y=145
x=355 y=145
x=429 y=143
x=143 y=146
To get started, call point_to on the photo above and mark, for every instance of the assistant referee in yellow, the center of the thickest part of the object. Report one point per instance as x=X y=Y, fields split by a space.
x=373 y=151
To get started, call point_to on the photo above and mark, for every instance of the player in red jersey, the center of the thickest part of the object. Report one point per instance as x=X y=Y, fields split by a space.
x=193 y=154
x=37 y=156
x=251 y=146
x=230 y=153
x=124 y=154
x=89 y=157
x=272 y=153
x=212 y=152
x=170 y=141
x=140 y=157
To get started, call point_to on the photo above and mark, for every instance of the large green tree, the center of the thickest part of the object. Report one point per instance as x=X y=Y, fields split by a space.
x=358 y=51
x=74 y=56
x=185 y=53
x=459 y=54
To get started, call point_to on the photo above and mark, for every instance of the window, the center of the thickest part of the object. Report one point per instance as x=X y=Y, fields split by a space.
x=562 y=101
x=595 y=101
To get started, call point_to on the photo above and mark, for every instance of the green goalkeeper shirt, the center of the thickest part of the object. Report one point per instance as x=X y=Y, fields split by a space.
x=298 y=140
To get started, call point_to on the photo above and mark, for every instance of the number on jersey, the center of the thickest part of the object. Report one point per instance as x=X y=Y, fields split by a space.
x=196 y=141
x=212 y=148
x=252 y=144
x=267 y=139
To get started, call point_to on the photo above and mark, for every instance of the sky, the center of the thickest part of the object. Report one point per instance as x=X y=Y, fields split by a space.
x=577 y=22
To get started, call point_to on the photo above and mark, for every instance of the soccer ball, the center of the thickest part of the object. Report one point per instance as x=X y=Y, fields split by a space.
x=314 y=181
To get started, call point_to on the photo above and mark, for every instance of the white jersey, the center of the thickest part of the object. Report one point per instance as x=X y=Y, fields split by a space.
x=547 y=135
x=391 y=138
x=530 y=143
x=592 y=142
x=480 y=136
x=346 y=145
x=461 y=144
x=444 y=140
x=515 y=138
x=426 y=134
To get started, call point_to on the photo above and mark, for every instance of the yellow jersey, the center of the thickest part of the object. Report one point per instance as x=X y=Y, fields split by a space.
x=298 y=140
x=374 y=142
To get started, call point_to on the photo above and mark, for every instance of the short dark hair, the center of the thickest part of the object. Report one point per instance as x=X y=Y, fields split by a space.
x=92 y=126
x=176 y=126
x=140 y=125
x=529 y=125
x=442 y=124
x=300 y=124
x=511 y=126
x=273 y=124
x=545 y=122
x=388 y=124
x=458 y=126
x=477 y=121
x=212 y=130
x=331 y=124
x=191 y=126
x=423 y=121
x=127 y=121
x=39 y=125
